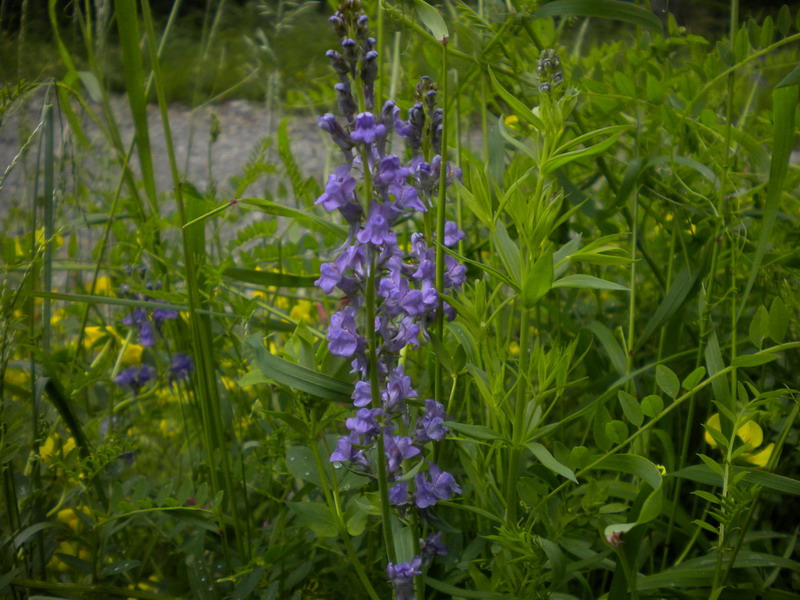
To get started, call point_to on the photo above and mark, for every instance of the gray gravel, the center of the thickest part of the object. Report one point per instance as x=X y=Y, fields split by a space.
x=243 y=128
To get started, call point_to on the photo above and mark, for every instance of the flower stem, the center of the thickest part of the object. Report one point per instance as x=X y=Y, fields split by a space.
x=440 y=218
x=383 y=480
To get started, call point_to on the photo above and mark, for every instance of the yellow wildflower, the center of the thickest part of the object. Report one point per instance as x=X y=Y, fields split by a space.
x=16 y=377
x=302 y=311
x=513 y=348
x=512 y=122
x=103 y=286
x=750 y=433
x=132 y=355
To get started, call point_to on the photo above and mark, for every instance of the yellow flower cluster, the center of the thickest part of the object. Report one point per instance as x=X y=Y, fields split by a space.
x=131 y=356
x=751 y=434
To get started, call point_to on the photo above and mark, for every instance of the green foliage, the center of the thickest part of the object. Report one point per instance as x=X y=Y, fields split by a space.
x=620 y=378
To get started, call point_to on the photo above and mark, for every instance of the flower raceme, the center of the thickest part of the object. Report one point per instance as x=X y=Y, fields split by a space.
x=374 y=190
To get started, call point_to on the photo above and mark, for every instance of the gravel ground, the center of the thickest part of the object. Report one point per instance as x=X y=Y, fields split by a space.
x=243 y=128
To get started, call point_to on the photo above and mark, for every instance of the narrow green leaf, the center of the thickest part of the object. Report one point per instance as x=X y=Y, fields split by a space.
x=715 y=365
x=519 y=109
x=651 y=508
x=509 y=253
x=480 y=432
x=562 y=159
x=604 y=9
x=309 y=220
x=588 y=282
x=549 y=461
x=676 y=296
x=537 y=280
x=267 y=278
x=298 y=377
x=632 y=464
x=784 y=104
x=792 y=79
x=611 y=346
x=753 y=360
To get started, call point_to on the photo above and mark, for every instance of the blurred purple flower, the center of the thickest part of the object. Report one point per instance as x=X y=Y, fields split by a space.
x=181 y=366
x=135 y=378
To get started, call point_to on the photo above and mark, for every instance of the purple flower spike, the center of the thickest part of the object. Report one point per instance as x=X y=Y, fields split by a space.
x=402 y=578
x=367 y=131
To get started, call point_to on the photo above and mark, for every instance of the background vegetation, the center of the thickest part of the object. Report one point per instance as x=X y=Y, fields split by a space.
x=632 y=272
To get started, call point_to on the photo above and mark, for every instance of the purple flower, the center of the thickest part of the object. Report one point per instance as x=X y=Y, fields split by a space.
x=339 y=190
x=164 y=314
x=181 y=366
x=343 y=339
x=377 y=230
x=135 y=378
x=398 y=495
x=430 y=428
x=454 y=273
x=398 y=388
x=398 y=338
x=442 y=486
x=433 y=546
x=362 y=395
x=141 y=320
x=402 y=578
x=421 y=301
x=347 y=451
x=367 y=131
x=452 y=234
x=364 y=423
x=328 y=122
x=391 y=171
x=397 y=450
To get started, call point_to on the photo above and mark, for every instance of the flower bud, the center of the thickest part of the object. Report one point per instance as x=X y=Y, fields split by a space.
x=347 y=104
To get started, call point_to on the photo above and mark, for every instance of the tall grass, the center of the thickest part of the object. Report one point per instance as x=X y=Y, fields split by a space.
x=619 y=377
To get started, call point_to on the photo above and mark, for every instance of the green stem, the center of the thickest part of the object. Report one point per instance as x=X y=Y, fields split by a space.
x=375 y=392
x=440 y=219
x=331 y=494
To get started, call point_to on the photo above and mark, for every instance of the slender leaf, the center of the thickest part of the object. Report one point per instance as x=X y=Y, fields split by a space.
x=604 y=9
